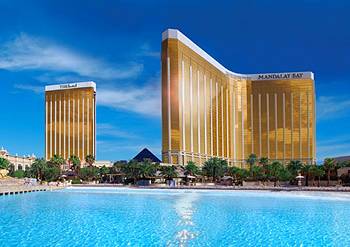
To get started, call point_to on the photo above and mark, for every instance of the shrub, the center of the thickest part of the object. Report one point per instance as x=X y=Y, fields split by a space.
x=76 y=181
x=89 y=173
x=18 y=174
x=51 y=174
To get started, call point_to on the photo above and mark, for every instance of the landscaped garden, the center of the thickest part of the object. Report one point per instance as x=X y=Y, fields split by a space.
x=215 y=170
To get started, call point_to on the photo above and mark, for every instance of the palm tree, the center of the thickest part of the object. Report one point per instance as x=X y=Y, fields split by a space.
x=192 y=169
x=264 y=161
x=215 y=167
x=57 y=161
x=103 y=170
x=38 y=167
x=257 y=172
x=295 y=167
x=314 y=172
x=74 y=161
x=90 y=159
x=233 y=171
x=169 y=172
x=306 y=169
x=329 y=165
x=118 y=167
x=251 y=161
x=239 y=174
x=147 y=169
x=277 y=172
x=4 y=163
x=131 y=170
x=319 y=173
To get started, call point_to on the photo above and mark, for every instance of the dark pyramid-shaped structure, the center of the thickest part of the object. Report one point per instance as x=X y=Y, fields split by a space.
x=146 y=154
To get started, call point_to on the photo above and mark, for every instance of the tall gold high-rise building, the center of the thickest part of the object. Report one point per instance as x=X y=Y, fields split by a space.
x=70 y=120
x=209 y=111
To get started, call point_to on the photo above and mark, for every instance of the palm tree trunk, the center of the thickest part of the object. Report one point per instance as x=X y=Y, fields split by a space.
x=328 y=177
x=214 y=175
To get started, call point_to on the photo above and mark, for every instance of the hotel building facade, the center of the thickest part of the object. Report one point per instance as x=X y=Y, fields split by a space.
x=209 y=111
x=70 y=120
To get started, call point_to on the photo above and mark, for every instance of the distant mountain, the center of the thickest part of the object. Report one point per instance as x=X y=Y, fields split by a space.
x=342 y=159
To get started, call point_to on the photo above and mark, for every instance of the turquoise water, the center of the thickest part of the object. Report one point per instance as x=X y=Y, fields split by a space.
x=126 y=217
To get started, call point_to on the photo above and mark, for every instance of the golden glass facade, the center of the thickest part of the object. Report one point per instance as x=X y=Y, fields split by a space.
x=210 y=111
x=70 y=120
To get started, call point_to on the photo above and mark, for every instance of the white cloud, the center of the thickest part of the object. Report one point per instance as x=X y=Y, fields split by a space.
x=27 y=87
x=337 y=146
x=143 y=100
x=26 y=52
x=331 y=107
x=108 y=130
x=146 y=51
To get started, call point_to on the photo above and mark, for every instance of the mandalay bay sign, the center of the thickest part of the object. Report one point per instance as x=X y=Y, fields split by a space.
x=282 y=76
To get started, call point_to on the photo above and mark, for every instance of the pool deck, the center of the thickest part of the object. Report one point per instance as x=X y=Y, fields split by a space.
x=13 y=190
x=219 y=187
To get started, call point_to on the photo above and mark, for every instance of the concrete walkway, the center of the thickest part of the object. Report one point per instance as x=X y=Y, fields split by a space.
x=18 y=189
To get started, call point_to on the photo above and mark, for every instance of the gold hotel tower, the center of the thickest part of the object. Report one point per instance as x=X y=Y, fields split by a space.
x=209 y=111
x=70 y=120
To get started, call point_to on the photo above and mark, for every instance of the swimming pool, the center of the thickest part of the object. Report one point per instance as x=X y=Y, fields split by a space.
x=140 y=217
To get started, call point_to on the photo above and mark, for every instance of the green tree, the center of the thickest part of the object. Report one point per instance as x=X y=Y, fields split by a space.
x=90 y=159
x=233 y=171
x=295 y=167
x=51 y=173
x=277 y=172
x=4 y=163
x=117 y=167
x=251 y=161
x=56 y=161
x=257 y=172
x=329 y=166
x=319 y=172
x=314 y=172
x=238 y=174
x=192 y=169
x=74 y=162
x=169 y=172
x=242 y=174
x=132 y=170
x=215 y=168
x=284 y=174
x=37 y=168
x=89 y=173
x=104 y=170
x=148 y=169
x=307 y=170
x=264 y=161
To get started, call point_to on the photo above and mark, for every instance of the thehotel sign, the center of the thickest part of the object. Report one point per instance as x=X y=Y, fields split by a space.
x=282 y=76
x=66 y=86
x=87 y=84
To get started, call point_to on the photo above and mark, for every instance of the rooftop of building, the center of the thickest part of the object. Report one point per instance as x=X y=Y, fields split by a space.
x=146 y=154
x=176 y=34
x=71 y=85
x=4 y=152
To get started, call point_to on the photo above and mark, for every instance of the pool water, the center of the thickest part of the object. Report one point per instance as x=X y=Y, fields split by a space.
x=140 y=217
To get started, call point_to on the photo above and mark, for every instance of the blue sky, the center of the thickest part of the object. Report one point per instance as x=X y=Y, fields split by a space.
x=117 y=45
